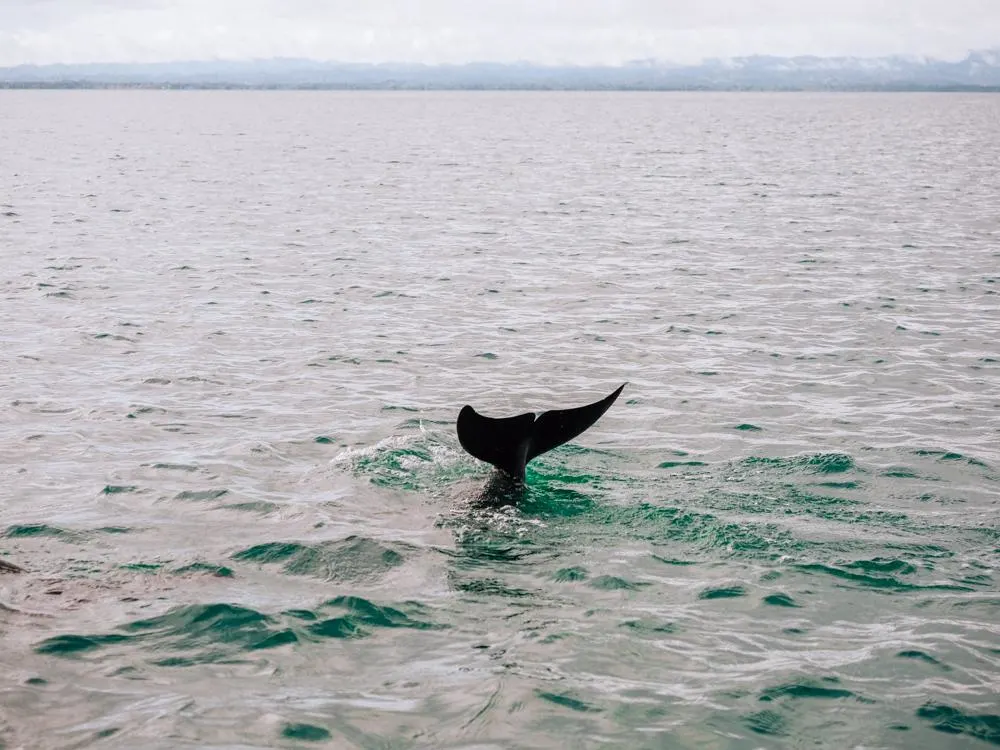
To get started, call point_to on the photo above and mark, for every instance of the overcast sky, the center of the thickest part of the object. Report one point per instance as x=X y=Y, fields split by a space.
x=434 y=31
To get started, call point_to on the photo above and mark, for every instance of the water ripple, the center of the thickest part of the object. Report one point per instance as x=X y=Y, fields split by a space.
x=238 y=328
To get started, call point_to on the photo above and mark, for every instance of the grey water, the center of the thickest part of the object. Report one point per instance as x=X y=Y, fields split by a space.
x=237 y=328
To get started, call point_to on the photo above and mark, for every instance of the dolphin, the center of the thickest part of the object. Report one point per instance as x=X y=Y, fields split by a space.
x=509 y=443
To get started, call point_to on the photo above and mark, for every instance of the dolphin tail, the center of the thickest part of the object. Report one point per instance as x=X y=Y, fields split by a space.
x=509 y=443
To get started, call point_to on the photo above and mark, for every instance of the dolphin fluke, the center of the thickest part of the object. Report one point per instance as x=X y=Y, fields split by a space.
x=509 y=443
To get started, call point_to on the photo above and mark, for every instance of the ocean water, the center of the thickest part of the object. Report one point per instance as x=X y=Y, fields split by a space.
x=237 y=328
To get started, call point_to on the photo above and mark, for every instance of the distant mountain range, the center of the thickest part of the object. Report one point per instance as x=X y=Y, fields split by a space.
x=980 y=70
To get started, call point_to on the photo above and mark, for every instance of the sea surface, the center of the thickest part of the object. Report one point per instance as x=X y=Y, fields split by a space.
x=236 y=329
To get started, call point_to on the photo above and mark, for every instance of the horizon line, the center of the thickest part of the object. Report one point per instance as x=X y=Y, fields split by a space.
x=661 y=61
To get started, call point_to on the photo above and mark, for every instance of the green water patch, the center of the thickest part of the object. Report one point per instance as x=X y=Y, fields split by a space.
x=21 y=531
x=565 y=575
x=822 y=486
x=359 y=616
x=767 y=722
x=477 y=547
x=141 y=567
x=616 y=583
x=848 y=485
x=305 y=733
x=951 y=720
x=672 y=561
x=213 y=632
x=555 y=638
x=263 y=507
x=189 y=468
x=859 y=516
x=925 y=551
x=571 y=449
x=814 y=463
x=301 y=614
x=788 y=499
x=397 y=469
x=226 y=633
x=141 y=411
x=354 y=558
x=544 y=472
x=73 y=645
x=567 y=700
x=882 y=565
x=420 y=464
x=489 y=587
x=975 y=580
x=548 y=500
x=201 y=495
x=951 y=456
x=905 y=472
x=758 y=508
x=827 y=486
x=783 y=499
x=723 y=592
x=779 y=600
x=651 y=627
x=826 y=688
x=119 y=489
x=43 y=530
x=672 y=525
x=877 y=575
x=481 y=555
x=218 y=571
x=922 y=657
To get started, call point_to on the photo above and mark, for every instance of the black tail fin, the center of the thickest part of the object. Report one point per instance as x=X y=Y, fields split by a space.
x=511 y=442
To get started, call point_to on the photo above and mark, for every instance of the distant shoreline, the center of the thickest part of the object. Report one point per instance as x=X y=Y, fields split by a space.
x=978 y=72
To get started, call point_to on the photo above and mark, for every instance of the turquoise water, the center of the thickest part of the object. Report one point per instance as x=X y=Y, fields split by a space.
x=238 y=328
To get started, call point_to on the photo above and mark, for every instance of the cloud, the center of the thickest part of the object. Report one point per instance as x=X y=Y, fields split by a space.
x=435 y=31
